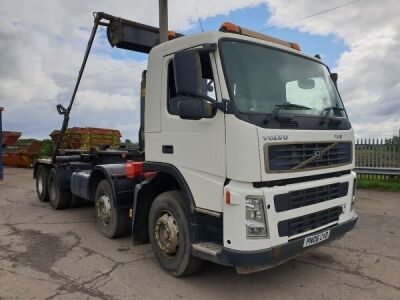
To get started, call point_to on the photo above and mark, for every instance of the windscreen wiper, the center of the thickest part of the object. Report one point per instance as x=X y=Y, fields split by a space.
x=288 y=106
x=327 y=111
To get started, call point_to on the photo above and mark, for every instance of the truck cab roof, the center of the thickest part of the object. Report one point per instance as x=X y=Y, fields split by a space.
x=208 y=37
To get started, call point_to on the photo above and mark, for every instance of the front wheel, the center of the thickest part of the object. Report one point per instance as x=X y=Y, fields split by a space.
x=112 y=222
x=169 y=234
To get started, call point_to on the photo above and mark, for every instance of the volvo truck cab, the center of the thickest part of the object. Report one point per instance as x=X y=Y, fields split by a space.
x=246 y=156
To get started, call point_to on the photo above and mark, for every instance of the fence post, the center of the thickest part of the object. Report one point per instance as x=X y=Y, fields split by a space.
x=383 y=153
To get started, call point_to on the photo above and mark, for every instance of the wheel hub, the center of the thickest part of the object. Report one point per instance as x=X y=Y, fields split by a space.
x=103 y=206
x=167 y=234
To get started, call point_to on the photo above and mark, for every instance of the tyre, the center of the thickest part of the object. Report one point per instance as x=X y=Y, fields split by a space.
x=58 y=199
x=169 y=234
x=111 y=222
x=42 y=176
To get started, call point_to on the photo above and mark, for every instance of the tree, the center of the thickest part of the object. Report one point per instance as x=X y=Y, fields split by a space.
x=394 y=140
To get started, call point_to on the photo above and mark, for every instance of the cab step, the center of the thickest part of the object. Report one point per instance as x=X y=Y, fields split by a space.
x=209 y=248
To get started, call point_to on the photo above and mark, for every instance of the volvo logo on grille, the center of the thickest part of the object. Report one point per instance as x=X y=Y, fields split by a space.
x=317 y=155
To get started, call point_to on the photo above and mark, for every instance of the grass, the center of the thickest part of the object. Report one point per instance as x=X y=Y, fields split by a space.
x=378 y=184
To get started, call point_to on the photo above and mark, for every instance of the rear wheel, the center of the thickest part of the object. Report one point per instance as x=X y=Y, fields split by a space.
x=58 y=199
x=169 y=234
x=42 y=175
x=112 y=222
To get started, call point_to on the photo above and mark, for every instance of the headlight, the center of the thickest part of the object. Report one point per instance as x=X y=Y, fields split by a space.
x=255 y=217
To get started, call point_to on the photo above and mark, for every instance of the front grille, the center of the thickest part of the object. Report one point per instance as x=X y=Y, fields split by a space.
x=308 y=222
x=303 y=156
x=300 y=198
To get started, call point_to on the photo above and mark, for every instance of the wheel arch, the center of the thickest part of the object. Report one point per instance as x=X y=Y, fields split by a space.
x=97 y=175
x=171 y=173
x=122 y=187
x=166 y=178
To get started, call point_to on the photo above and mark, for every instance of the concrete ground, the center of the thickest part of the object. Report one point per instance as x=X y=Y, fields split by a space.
x=46 y=254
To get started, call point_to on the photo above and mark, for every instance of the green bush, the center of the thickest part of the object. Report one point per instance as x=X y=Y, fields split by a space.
x=378 y=184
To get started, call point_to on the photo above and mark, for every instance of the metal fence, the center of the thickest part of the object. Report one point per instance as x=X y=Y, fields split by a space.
x=378 y=158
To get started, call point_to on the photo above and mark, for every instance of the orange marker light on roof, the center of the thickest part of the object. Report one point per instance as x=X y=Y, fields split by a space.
x=295 y=46
x=230 y=27
x=171 y=35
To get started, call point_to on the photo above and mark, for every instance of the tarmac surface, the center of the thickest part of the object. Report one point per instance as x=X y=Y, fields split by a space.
x=47 y=254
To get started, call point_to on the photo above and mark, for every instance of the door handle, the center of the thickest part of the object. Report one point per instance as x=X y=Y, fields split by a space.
x=167 y=149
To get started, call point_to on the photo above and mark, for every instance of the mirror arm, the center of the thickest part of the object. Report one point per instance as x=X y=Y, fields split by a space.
x=223 y=106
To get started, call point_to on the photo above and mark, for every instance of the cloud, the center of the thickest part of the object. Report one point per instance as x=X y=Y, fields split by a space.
x=369 y=71
x=44 y=41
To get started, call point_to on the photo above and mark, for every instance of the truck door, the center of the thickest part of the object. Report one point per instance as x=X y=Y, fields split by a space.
x=195 y=147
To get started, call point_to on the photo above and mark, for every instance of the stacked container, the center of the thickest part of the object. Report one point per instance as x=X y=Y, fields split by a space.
x=86 y=138
x=22 y=153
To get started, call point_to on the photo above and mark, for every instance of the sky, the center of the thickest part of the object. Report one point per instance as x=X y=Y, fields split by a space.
x=42 y=43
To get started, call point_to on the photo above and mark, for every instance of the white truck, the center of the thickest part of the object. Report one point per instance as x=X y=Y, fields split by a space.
x=246 y=152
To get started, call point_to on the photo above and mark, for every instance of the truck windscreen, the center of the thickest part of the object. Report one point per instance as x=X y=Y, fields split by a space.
x=261 y=79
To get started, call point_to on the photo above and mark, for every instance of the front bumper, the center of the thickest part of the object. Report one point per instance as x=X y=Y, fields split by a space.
x=251 y=261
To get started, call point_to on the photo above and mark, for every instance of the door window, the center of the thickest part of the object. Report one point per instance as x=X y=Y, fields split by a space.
x=208 y=83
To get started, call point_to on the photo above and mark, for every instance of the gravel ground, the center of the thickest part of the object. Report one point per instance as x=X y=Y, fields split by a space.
x=46 y=254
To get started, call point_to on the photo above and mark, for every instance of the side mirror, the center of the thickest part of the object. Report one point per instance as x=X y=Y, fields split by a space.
x=334 y=77
x=188 y=73
x=191 y=108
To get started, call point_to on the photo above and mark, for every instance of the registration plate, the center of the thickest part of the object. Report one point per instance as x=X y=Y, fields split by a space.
x=316 y=238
